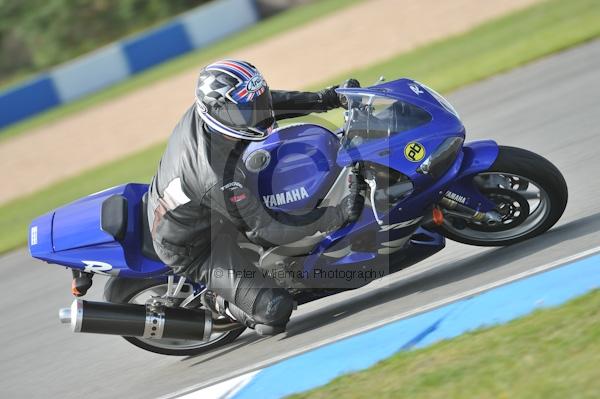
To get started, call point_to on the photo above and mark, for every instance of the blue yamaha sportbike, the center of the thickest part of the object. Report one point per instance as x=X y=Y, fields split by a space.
x=424 y=184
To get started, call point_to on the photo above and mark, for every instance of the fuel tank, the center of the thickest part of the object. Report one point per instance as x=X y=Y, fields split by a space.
x=293 y=168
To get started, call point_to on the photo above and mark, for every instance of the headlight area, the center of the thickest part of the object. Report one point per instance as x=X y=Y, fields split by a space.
x=438 y=163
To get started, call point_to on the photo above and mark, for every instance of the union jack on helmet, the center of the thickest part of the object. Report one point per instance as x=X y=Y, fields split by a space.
x=233 y=98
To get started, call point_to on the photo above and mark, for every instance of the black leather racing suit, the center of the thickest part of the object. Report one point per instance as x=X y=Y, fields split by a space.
x=198 y=204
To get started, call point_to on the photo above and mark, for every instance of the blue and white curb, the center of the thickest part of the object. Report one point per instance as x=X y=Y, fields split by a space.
x=90 y=73
x=499 y=302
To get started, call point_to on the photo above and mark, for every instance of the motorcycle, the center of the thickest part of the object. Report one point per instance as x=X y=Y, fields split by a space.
x=423 y=184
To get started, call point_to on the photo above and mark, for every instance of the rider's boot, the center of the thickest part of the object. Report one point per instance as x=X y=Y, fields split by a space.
x=218 y=305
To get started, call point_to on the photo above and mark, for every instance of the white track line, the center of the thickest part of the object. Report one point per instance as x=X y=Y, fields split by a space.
x=391 y=319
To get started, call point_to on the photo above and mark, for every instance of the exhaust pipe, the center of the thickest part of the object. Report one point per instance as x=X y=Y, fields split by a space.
x=144 y=321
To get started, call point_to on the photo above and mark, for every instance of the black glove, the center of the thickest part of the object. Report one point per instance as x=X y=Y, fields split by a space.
x=329 y=98
x=333 y=100
x=351 y=207
x=353 y=204
x=348 y=83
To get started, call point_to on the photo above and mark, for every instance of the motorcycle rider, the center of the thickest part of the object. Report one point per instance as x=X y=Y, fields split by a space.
x=198 y=203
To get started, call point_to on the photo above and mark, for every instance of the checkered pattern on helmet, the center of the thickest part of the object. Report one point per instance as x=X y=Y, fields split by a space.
x=213 y=87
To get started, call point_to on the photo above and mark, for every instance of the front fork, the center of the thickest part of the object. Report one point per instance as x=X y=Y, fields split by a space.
x=454 y=208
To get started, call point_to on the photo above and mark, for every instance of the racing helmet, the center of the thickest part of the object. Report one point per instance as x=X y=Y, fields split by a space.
x=232 y=98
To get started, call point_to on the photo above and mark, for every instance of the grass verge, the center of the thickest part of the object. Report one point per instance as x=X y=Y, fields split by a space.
x=270 y=27
x=552 y=353
x=494 y=47
x=491 y=48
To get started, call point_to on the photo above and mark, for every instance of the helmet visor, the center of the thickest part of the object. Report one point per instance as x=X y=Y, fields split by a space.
x=254 y=116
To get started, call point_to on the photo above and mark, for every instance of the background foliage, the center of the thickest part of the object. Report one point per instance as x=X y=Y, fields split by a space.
x=37 y=34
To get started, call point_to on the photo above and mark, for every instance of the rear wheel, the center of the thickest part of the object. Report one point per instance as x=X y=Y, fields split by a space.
x=138 y=291
x=530 y=195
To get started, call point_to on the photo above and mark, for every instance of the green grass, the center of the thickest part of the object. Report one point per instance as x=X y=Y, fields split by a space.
x=494 y=47
x=553 y=353
x=489 y=49
x=270 y=27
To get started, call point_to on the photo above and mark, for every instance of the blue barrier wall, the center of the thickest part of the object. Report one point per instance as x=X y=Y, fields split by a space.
x=32 y=97
x=91 y=73
x=157 y=46
x=195 y=29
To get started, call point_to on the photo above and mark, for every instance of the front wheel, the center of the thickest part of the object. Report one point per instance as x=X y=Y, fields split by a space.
x=530 y=195
x=138 y=291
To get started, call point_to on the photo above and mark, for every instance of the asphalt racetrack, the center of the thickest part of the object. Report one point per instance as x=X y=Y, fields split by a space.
x=550 y=107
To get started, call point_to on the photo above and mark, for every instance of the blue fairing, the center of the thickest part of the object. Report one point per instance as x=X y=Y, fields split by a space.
x=389 y=151
x=72 y=236
x=301 y=167
x=479 y=156
x=78 y=224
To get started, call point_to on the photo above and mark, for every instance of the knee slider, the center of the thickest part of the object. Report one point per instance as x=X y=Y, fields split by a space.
x=273 y=307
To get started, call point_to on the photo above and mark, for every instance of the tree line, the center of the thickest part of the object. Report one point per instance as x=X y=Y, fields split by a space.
x=38 y=34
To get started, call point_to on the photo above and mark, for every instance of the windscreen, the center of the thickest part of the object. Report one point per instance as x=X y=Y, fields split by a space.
x=374 y=117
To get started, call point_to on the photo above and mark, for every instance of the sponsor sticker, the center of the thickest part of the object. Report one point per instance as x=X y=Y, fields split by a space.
x=237 y=198
x=34 y=235
x=456 y=197
x=234 y=185
x=255 y=83
x=95 y=266
x=416 y=89
x=285 y=197
x=414 y=151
